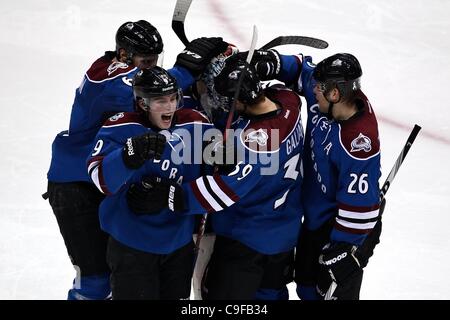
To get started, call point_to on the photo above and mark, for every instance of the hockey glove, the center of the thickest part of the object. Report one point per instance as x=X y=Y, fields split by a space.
x=365 y=250
x=154 y=194
x=223 y=159
x=199 y=52
x=267 y=63
x=139 y=149
x=340 y=272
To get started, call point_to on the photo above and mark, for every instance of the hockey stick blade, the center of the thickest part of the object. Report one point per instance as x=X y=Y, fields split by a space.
x=179 y=15
x=398 y=163
x=304 y=41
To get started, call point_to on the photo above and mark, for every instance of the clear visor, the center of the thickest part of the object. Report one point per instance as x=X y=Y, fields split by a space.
x=144 y=61
x=163 y=104
x=351 y=85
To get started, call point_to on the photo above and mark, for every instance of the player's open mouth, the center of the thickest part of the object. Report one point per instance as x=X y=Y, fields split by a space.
x=167 y=117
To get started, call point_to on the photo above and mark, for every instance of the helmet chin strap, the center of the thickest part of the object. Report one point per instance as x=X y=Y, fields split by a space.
x=330 y=109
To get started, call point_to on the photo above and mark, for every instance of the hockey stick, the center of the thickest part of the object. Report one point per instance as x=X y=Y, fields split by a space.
x=304 y=41
x=386 y=185
x=201 y=230
x=182 y=7
x=239 y=84
x=179 y=15
x=398 y=163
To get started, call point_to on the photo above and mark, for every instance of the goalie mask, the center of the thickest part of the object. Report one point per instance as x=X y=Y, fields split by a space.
x=211 y=101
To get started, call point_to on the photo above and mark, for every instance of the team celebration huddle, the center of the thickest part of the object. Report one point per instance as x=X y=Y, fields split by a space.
x=203 y=181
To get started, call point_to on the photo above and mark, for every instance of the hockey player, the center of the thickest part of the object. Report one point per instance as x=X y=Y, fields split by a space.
x=341 y=172
x=150 y=256
x=104 y=91
x=258 y=206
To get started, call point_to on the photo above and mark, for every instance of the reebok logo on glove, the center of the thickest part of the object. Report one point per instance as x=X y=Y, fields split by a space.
x=193 y=54
x=130 y=149
x=171 y=198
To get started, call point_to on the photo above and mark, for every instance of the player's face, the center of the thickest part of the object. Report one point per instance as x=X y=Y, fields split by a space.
x=319 y=91
x=145 y=61
x=161 y=110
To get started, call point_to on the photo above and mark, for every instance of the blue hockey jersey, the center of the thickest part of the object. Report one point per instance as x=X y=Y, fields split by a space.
x=160 y=233
x=106 y=89
x=341 y=165
x=258 y=203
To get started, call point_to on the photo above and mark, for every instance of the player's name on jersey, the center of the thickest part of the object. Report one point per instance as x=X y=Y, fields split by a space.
x=295 y=139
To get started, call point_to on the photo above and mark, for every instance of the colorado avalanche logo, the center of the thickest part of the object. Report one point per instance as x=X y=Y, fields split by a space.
x=116 y=116
x=361 y=143
x=259 y=136
x=115 y=66
x=336 y=63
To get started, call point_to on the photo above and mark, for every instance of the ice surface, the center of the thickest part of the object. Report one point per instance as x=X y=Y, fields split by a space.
x=403 y=47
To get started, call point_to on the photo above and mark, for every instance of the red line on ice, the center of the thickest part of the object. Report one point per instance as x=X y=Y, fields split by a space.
x=216 y=8
x=425 y=133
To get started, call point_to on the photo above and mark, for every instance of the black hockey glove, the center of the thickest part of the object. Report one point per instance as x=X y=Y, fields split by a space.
x=339 y=265
x=154 y=194
x=266 y=62
x=365 y=251
x=199 y=52
x=139 y=149
x=224 y=159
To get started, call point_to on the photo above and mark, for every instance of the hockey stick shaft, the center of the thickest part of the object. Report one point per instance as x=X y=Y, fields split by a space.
x=400 y=159
x=300 y=40
x=239 y=84
x=179 y=15
x=251 y=50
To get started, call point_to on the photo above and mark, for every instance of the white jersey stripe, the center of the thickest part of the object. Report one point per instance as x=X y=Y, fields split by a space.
x=358 y=215
x=213 y=203
x=122 y=124
x=96 y=180
x=215 y=187
x=360 y=226
x=93 y=164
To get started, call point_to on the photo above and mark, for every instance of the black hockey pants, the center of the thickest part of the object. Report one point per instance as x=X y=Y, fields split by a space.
x=75 y=206
x=236 y=272
x=140 y=275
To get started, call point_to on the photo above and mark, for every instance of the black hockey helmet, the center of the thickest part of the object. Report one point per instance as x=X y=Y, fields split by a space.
x=154 y=82
x=341 y=70
x=139 y=37
x=226 y=81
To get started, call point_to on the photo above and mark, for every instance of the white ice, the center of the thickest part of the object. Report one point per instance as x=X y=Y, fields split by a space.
x=403 y=47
